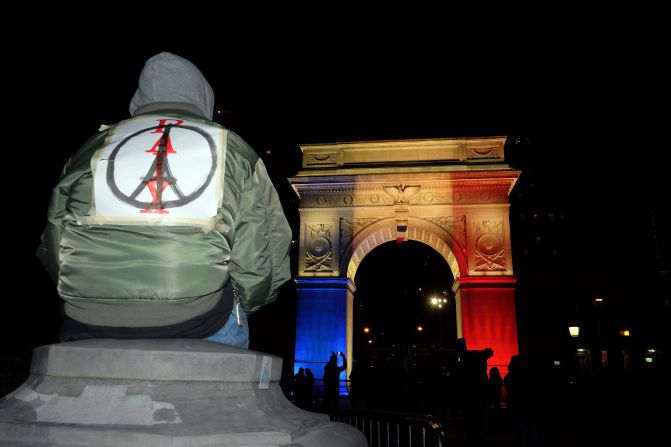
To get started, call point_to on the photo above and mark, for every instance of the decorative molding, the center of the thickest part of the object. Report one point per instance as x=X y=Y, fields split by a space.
x=429 y=192
x=340 y=199
x=401 y=214
x=366 y=246
x=433 y=240
x=351 y=227
x=323 y=159
x=454 y=225
x=483 y=152
x=388 y=234
x=401 y=193
x=319 y=248
x=489 y=245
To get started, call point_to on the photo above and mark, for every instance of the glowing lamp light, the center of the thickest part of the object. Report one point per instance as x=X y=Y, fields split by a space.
x=648 y=360
x=420 y=328
x=366 y=330
x=370 y=342
x=438 y=302
x=624 y=333
x=557 y=363
x=574 y=331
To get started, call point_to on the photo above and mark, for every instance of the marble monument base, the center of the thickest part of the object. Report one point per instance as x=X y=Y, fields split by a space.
x=172 y=392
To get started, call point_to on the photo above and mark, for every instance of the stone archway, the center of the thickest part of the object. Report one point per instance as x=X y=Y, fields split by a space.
x=420 y=230
x=451 y=194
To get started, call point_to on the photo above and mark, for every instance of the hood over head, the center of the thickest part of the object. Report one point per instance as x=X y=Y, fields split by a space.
x=167 y=77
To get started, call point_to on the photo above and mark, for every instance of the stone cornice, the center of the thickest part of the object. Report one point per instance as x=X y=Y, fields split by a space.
x=427 y=189
x=403 y=152
x=404 y=169
x=383 y=177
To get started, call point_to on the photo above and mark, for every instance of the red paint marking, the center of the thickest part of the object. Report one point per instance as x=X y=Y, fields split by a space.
x=154 y=197
x=162 y=124
x=168 y=147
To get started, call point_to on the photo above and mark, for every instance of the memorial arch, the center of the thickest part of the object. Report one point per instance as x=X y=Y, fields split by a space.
x=450 y=194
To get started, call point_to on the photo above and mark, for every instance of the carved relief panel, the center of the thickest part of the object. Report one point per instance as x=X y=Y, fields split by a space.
x=318 y=248
x=487 y=241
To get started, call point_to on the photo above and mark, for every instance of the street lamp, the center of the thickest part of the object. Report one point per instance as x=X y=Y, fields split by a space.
x=438 y=302
x=574 y=331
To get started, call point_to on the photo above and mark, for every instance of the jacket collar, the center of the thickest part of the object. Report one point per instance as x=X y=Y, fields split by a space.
x=183 y=107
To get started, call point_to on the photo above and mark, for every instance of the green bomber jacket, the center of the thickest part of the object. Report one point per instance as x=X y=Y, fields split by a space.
x=153 y=216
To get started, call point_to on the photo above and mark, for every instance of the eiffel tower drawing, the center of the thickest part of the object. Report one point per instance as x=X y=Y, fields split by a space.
x=159 y=177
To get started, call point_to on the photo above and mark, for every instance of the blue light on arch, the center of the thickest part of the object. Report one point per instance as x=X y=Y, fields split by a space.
x=321 y=322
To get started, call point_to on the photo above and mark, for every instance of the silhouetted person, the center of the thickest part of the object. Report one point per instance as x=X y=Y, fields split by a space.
x=522 y=400
x=512 y=382
x=299 y=388
x=332 y=381
x=495 y=385
x=309 y=388
x=474 y=383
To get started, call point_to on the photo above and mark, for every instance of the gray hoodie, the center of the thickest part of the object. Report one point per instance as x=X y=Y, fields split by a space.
x=167 y=77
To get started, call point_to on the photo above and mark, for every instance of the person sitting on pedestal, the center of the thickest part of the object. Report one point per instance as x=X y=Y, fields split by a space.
x=165 y=225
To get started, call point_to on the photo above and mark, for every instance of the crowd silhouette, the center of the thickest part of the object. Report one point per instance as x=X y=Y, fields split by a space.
x=536 y=402
x=303 y=388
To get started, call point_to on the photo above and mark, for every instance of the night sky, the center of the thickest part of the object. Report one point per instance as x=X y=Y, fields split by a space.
x=587 y=113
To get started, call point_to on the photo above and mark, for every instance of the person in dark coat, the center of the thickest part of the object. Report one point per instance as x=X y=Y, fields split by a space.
x=332 y=380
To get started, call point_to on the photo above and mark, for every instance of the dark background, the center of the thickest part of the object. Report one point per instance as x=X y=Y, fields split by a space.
x=581 y=100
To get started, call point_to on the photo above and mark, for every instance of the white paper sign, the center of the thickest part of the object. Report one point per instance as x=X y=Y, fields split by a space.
x=160 y=170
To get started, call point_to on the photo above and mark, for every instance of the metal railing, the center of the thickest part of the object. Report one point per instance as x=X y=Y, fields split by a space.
x=393 y=429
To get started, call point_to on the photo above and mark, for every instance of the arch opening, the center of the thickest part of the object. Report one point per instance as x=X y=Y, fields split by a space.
x=404 y=330
x=404 y=297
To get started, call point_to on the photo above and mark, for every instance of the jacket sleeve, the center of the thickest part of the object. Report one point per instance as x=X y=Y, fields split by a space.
x=48 y=251
x=260 y=252
x=77 y=167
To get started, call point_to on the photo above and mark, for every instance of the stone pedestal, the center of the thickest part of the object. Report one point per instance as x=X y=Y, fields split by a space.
x=173 y=392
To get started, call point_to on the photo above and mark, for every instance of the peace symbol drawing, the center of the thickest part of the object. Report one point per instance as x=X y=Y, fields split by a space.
x=166 y=168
